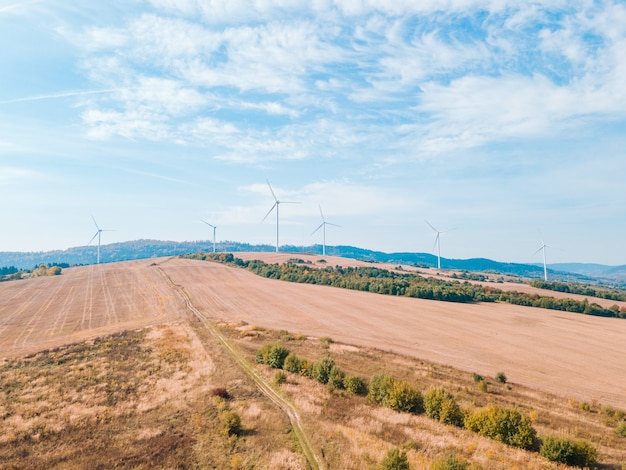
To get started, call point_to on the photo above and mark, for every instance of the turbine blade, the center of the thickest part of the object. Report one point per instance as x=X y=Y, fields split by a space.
x=210 y=225
x=321 y=213
x=320 y=226
x=94 y=237
x=271 y=190
x=94 y=221
x=334 y=225
x=432 y=227
x=269 y=212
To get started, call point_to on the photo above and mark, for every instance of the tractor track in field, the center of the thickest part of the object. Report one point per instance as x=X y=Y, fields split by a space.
x=314 y=462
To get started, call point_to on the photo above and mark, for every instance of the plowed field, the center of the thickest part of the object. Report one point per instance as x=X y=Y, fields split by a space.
x=571 y=355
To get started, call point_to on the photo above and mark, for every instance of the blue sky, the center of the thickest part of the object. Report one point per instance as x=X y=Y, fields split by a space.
x=500 y=122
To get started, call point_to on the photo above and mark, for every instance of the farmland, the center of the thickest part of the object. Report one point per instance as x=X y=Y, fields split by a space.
x=63 y=331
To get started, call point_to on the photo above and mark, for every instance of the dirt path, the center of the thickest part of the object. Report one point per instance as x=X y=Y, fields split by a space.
x=283 y=404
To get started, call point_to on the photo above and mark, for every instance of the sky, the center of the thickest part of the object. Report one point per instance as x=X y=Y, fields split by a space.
x=501 y=123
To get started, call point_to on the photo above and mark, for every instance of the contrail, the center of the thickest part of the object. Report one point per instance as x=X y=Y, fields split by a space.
x=58 y=95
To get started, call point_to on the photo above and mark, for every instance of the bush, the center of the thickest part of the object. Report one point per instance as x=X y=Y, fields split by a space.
x=321 y=370
x=621 y=429
x=335 y=378
x=478 y=378
x=379 y=388
x=500 y=377
x=292 y=364
x=574 y=453
x=355 y=384
x=220 y=392
x=395 y=394
x=272 y=355
x=441 y=405
x=449 y=463
x=395 y=460
x=504 y=425
x=230 y=423
x=403 y=397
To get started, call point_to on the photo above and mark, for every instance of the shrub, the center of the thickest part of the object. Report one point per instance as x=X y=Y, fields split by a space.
x=321 y=370
x=482 y=386
x=220 y=392
x=379 y=388
x=500 y=377
x=448 y=463
x=272 y=355
x=395 y=460
x=441 y=405
x=230 y=423
x=575 y=453
x=292 y=364
x=621 y=429
x=403 y=397
x=478 y=378
x=504 y=425
x=355 y=384
x=335 y=378
x=280 y=377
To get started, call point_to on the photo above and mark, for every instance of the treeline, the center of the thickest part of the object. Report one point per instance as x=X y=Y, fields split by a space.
x=579 y=289
x=383 y=281
x=11 y=273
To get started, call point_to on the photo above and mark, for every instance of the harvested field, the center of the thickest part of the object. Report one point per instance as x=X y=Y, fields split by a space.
x=84 y=302
x=568 y=354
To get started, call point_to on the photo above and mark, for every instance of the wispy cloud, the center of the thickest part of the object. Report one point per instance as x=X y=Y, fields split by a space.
x=63 y=94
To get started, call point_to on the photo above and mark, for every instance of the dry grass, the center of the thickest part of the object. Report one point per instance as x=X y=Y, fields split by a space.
x=138 y=399
x=354 y=433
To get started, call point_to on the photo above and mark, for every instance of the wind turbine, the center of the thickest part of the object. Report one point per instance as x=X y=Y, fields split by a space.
x=214 y=228
x=437 y=243
x=97 y=234
x=276 y=205
x=545 y=266
x=323 y=227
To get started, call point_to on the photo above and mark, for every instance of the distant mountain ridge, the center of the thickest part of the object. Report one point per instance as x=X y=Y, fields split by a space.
x=144 y=249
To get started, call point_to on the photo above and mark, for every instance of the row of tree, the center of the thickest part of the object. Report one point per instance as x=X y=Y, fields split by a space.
x=572 y=288
x=384 y=281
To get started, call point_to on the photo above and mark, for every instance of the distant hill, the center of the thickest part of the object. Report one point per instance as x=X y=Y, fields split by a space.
x=143 y=249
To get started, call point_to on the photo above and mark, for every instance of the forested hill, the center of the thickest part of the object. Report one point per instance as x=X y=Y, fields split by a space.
x=143 y=249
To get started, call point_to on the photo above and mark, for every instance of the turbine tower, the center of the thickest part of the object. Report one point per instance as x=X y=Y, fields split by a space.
x=437 y=244
x=323 y=227
x=97 y=234
x=276 y=205
x=545 y=266
x=214 y=228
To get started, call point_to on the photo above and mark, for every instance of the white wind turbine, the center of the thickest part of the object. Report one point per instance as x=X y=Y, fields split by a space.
x=276 y=205
x=437 y=243
x=545 y=266
x=214 y=228
x=323 y=227
x=97 y=234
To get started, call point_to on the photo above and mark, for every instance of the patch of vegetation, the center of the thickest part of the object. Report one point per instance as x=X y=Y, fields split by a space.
x=395 y=459
x=574 y=288
x=504 y=425
x=441 y=406
x=383 y=281
x=450 y=462
x=273 y=355
x=620 y=430
x=573 y=453
x=395 y=394
x=230 y=423
x=500 y=377
x=355 y=384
